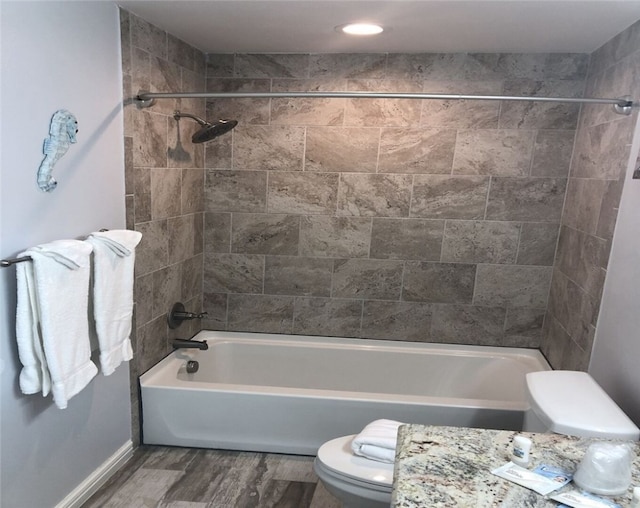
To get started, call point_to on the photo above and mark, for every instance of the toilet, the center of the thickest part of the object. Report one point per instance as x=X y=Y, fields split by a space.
x=562 y=402
x=356 y=481
x=572 y=403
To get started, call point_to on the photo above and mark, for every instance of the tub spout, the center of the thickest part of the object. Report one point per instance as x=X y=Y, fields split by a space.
x=186 y=343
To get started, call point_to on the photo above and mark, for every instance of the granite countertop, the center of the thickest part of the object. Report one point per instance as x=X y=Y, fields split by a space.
x=451 y=467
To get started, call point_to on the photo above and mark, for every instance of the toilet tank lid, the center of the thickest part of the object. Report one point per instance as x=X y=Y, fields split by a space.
x=572 y=403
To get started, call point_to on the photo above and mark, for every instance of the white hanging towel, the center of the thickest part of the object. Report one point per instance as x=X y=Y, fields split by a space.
x=113 y=264
x=377 y=441
x=52 y=326
x=34 y=376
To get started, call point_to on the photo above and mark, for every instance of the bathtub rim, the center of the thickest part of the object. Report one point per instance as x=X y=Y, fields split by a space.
x=162 y=375
x=220 y=336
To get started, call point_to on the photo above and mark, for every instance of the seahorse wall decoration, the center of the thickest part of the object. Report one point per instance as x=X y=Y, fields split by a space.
x=62 y=133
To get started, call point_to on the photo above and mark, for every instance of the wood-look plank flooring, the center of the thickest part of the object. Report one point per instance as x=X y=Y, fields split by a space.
x=159 y=476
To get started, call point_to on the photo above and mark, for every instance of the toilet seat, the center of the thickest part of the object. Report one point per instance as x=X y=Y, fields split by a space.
x=336 y=458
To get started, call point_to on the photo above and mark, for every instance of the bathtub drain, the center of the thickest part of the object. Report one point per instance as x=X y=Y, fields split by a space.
x=192 y=366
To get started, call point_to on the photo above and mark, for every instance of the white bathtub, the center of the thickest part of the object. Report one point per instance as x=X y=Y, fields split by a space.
x=290 y=394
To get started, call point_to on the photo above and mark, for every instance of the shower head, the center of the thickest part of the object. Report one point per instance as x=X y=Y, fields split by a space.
x=208 y=131
x=211 y=131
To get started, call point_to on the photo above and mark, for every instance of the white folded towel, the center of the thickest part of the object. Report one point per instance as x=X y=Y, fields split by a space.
x=113 y=264
x=52 y=326
x=377 y=441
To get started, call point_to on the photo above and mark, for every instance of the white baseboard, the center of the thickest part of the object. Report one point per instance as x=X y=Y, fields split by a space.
x=77 y=497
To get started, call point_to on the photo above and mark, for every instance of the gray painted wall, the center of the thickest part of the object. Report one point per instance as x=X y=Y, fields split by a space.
x=58 y=55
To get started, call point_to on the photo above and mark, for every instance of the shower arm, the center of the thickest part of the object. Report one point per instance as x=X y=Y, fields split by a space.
x=179 y=114
x=621 y=105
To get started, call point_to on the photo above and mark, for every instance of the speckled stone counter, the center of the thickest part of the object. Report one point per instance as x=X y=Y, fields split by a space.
x=451 y=466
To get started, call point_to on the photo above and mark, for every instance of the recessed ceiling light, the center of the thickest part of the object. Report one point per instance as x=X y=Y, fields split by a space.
x=360 y=29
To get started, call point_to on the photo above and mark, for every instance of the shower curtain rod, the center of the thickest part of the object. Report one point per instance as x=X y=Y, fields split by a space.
x=145 y=99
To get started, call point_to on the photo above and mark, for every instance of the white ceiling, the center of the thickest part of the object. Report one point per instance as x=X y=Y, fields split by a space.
x=433 y=26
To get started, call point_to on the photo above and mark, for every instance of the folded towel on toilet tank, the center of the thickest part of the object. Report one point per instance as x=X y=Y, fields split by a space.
x=377 y=441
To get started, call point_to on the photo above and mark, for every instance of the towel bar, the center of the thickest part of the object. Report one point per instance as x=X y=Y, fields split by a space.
x=4 y=263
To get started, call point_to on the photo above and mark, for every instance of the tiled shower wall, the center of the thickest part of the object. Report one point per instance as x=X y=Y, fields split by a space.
x=164 y=185
x=384 y=218
x=414 y=220
x=598 y=168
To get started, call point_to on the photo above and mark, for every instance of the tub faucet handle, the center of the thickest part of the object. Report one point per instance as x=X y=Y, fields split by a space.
x=178 y=314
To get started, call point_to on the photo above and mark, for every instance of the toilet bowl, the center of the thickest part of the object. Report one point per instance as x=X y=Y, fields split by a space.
x=356 y=481
x=572 y=403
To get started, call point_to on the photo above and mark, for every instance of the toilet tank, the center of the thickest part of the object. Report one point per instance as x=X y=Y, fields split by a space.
x=572 y=403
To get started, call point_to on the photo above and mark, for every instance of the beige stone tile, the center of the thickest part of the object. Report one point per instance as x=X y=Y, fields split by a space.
x=541 y=115
x=375 y=279
x=322 y=236
x=538 y=241
x=272 y=148
x=383 y=112
x=149 y=140
x=192 y=191
x=235 y=191
x=426 y=66
x=419 y=239
x=424 y=150
x=347 y=65
x=220 y=65
x=300 y=276
x=260 y=313
x=192 y=277
x=265 y=234
x=166 y=193
x=167 y=289
x=248 y=111
x=552 y=153
x=336 y=149
x=217 y=232
x=365 y=195
x=467 y=324
x=406 y=321
x=480 y=242
x=148 y=37
x=327 y=317
x=527 y=199
x=449 y=197
x=583 y=203
x=523 y=328
x=302 y=193
x=233 y=273
x=438 y=282
x=499 y=152
x=467 y=114
x=271 y=65
x=152 y=253
x=180 y=53
x=512 y=286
